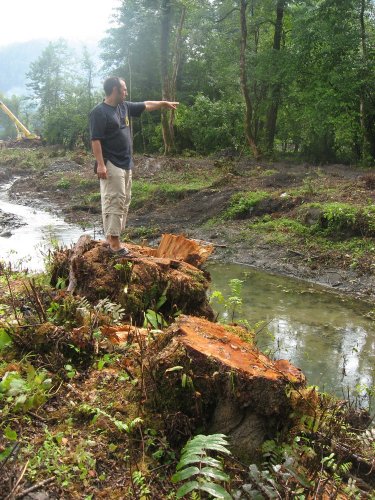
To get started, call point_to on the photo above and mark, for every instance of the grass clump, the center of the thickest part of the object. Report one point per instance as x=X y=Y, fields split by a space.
x=282 y=224
x=343 y=219
x=242 y=203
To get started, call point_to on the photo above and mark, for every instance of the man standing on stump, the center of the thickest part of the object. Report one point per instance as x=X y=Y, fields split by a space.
x=112 y=147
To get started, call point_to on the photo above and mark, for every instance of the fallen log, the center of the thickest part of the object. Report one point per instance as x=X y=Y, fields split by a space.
x=212 y=379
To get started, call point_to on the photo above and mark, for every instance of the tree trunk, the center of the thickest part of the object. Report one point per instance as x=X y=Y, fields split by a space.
x=166 y=12
x=276 y=88
x=175 y=68
x=249 y=134
x=367 y=114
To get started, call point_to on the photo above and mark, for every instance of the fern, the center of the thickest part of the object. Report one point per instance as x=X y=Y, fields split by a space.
x=83 y=303
x=201 y=471
x=114 y=311
x=119 y=424
x=367 y=438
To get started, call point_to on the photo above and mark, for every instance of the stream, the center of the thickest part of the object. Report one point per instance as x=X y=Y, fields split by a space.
x=31 y=232
x=330 y=337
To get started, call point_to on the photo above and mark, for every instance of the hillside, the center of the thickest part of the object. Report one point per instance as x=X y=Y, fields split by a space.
x=15 y=60
x=14 y=63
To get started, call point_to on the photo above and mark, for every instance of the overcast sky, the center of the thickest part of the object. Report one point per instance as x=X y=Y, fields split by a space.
x=83 y=20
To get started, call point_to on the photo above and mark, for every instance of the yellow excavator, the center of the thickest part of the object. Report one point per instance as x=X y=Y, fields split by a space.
x=23 y=134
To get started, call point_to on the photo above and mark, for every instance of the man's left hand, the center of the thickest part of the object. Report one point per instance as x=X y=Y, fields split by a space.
x=170 y=105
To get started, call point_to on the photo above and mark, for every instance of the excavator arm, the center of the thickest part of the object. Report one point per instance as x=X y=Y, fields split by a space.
x=22 y=131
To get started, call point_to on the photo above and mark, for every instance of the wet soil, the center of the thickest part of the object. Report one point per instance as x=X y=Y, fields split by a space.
x=70 y=186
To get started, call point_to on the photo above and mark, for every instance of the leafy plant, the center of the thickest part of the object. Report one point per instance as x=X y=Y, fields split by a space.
x=25 y=393
x=139 y=481
x=5 y=340
x=114 y=311
x=124 y=271
x=231 y=304
x=153 y=317
x=63 y=462
x=202 y=472
x=63 y=183
x=119 y=424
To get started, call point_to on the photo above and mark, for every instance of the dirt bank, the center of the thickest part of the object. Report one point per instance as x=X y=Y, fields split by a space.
x=278 y=231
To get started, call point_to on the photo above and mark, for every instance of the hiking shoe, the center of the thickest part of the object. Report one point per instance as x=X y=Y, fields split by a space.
x=121 y=252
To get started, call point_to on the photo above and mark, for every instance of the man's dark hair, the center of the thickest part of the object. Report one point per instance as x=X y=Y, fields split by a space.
x=110 y=83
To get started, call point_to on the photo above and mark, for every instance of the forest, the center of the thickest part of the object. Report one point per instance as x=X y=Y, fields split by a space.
x=286 y=79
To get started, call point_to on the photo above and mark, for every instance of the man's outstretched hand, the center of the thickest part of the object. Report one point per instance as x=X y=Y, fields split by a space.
x=170 y=105
x=155 y=105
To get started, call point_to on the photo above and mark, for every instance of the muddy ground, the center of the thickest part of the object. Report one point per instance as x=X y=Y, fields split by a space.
x=190 y=195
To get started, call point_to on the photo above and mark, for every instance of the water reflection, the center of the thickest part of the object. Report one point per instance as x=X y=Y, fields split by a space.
x=327 y=336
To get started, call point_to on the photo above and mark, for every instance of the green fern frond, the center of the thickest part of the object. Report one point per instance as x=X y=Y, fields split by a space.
x=201 y=471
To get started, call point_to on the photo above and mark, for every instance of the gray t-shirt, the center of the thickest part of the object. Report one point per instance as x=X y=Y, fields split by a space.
x=111 y=125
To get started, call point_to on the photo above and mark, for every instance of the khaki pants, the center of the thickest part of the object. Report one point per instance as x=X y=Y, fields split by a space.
x=115 y=192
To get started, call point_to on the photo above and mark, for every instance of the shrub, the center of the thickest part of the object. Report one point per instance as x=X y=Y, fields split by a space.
x=342 y=219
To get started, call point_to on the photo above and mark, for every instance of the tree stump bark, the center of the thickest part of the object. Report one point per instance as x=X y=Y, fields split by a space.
x=211 y=378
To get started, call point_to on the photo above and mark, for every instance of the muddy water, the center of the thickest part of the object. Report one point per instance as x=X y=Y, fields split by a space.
x=32 y=233
x=329 y=337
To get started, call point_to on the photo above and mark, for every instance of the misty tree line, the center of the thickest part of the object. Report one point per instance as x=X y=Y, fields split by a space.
x=265 y=77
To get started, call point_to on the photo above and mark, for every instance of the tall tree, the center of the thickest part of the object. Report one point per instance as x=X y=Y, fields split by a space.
x=367 y=100
x=275 y=93
x=249 y=118
x=48 y=76
x=170 y=59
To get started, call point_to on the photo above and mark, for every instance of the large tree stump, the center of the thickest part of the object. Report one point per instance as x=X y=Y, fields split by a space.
x=211 y=378
x=139 y=281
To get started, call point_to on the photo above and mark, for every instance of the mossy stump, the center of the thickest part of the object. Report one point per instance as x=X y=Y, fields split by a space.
x=137 y=281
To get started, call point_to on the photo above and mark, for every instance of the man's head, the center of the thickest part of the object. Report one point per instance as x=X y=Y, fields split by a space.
x=115 y=88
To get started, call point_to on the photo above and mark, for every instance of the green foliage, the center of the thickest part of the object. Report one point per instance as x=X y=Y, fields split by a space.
x=63 y=92
x=318 y=83
x=120 y=425
x=153 y=317
x=115 y=312
x=208 y=125
x=231 y=304
x=139 y=481
x=282 y=224
x=201 y=471
x=64 y=463
x=23 y=393
x=63 y=183
x=241 y=204
x=5 y=340
x=342 y=217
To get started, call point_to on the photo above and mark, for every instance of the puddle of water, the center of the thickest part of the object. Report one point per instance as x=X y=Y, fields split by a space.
x=28 y=244
x=326 y=335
